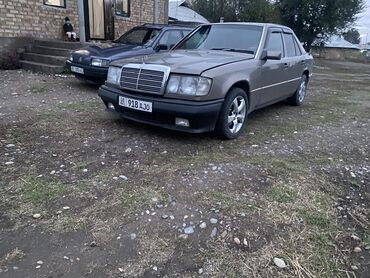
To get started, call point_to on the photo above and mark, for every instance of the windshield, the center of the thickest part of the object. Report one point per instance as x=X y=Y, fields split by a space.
x=139 y=36
x=237 y=38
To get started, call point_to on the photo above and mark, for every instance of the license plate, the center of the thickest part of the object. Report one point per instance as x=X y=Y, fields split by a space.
x=77 y=70
x=136 y=104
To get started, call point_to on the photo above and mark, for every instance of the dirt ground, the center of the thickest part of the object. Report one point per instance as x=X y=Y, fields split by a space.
x=84 y=193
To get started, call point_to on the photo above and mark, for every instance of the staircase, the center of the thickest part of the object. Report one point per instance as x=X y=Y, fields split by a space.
x=47 y=56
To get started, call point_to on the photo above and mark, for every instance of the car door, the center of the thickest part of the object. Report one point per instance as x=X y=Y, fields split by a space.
x=295 y=64
x=272 y=86
x=169 y=39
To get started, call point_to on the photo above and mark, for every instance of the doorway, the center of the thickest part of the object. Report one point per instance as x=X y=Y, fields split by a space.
x=99 y=19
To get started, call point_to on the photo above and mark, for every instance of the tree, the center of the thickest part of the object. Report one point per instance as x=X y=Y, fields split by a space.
x=312 y=19
x=353 y=36
x=236 y=10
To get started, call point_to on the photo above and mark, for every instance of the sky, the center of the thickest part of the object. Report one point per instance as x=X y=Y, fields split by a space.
x=363 y=24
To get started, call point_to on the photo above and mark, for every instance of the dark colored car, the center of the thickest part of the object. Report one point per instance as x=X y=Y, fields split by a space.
x=212 y=79
x=91 y=63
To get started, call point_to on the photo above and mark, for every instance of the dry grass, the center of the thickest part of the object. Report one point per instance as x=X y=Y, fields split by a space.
x=153 y=250
x=12 y=256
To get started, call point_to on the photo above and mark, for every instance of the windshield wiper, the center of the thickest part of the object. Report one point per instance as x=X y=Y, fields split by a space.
x=234 y=50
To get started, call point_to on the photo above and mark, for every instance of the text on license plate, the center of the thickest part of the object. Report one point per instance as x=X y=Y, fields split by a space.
x=136 y=104
x=77 y=69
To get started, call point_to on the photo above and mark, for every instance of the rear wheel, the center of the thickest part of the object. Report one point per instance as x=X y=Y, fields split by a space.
x=233 y=115
x=298 y=98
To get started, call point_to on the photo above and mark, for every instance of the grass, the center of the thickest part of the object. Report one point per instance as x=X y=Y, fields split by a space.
x=37 y=89
x=134 y=199
x=42 y=190
x=315 y=218
x=17 y=135
x=48 y=115
x=227 y=202
x=79 y=106
x=317 y=258
x=281 y=194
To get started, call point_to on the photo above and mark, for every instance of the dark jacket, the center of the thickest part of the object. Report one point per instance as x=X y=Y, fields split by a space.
x=67 y=27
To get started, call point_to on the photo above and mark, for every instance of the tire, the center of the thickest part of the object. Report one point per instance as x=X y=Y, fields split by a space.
x=299 y=96
x=233 y=114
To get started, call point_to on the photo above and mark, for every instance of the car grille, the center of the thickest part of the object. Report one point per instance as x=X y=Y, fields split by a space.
x=142 y=80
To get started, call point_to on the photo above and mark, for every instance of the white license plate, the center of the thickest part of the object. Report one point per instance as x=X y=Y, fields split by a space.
x=77 y=70
x=135 y=104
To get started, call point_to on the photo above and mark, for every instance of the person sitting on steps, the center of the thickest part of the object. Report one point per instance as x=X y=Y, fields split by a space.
x=68 y=29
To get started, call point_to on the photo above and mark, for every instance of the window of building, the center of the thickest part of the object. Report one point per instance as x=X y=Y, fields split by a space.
x=55 y=3
x=122 y=7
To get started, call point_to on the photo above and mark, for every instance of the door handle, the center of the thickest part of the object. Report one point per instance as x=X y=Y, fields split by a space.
x=286 y=66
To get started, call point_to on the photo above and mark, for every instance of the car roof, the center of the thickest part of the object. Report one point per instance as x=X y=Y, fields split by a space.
x=267 y=25
x=167 y=26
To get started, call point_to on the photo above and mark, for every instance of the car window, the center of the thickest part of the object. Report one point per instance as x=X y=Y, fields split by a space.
x=290 y=47
x=186 y=32
x=238 y=38
x=297 y=47
x=275 y=43
x=139 y=36
x=170 y=38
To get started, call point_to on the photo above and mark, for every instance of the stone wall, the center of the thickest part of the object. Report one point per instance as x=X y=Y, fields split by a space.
x=8 y=50
x=354 y=55
x=31 y=18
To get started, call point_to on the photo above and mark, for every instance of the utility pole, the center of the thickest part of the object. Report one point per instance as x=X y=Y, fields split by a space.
x=81 y=20
x=155 y=12
x=166 y=11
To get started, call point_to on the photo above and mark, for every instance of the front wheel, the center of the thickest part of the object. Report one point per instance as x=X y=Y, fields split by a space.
x=233 y=114
x=298 y=98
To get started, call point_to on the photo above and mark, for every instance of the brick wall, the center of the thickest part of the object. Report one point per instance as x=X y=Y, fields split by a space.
x=142 y=11
x=31 y=18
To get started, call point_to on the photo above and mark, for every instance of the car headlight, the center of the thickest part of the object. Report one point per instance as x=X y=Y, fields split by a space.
x=100 y=62
x=71 y=58
x=114 y=75
x=188 y=85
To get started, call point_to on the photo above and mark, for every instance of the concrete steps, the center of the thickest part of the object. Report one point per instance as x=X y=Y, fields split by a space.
x=46 y=59
x=47 y=56
x=50 y=50
x=59 y=44
x=41 y=67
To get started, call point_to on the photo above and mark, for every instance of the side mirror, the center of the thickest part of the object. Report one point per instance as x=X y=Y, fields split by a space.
x=160 y=47
x=271 y=55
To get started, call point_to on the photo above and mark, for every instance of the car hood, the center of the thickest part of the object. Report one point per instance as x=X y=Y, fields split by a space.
x=110 y=50
x=189 y=61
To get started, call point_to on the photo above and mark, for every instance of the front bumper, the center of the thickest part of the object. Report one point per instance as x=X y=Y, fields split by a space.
x=91 y=73
x=202 y=116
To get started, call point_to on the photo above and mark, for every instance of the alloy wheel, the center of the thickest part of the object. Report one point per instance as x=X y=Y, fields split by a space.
x=237 y=114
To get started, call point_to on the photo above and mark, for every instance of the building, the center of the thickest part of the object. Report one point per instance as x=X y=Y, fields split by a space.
x=337 y=48
x=180 y=11
x=21 y=21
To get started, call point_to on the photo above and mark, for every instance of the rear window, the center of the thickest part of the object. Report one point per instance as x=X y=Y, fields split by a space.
x=290 y=46
x=139 y=36
x=298 y=48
